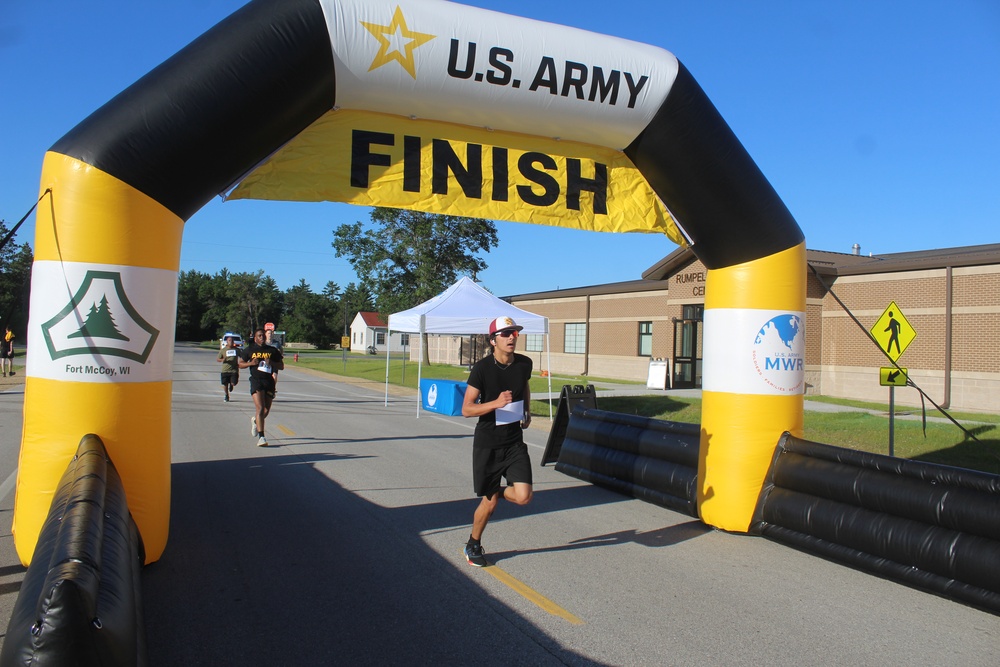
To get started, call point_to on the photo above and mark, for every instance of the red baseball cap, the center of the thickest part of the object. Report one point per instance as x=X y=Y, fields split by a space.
x=502 y=324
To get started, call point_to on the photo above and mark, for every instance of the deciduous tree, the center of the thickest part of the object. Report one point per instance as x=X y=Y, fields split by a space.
x=407 y=257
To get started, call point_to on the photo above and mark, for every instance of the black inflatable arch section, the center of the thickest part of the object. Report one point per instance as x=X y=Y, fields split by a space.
x=931 y=526
x=80 y=602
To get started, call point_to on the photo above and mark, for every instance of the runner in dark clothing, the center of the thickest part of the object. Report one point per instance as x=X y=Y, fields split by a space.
x=498 y=394
x=264 y=363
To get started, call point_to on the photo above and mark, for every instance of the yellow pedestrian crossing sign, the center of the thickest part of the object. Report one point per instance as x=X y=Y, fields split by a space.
x=892 y=332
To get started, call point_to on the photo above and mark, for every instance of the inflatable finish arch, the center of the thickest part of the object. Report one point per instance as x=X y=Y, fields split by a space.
x=419 y=104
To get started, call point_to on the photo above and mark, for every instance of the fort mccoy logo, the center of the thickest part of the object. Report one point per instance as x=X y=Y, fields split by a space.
x=99 y=321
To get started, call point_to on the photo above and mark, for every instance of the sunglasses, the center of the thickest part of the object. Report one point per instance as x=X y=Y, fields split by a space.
x=507 y=334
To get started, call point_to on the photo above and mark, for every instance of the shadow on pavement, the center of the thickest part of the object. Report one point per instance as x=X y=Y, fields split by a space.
x=270 y=562
x=661 y=537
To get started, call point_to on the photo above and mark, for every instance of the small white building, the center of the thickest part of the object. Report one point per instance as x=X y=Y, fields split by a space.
x=368 y=330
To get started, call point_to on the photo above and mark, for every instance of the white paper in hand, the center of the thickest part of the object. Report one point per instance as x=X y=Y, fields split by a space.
x=510 y=413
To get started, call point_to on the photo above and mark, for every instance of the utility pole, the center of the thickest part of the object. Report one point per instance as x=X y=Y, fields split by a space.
x=343 y=348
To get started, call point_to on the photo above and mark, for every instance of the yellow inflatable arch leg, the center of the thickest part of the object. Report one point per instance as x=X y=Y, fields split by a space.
x=753 y=380
x=104 y=301
x=107 y=253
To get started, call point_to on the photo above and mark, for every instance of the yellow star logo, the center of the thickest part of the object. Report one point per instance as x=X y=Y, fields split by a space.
x=396 y=42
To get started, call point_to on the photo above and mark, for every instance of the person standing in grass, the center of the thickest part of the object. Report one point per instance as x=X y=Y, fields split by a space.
x=499 y=395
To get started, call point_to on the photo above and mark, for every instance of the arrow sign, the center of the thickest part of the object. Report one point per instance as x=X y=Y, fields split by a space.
x=892 y=377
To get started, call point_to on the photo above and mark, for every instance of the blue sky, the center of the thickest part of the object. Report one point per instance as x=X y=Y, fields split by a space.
x=877 y=123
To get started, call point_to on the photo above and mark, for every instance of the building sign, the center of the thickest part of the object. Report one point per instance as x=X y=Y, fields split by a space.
x=693 y=281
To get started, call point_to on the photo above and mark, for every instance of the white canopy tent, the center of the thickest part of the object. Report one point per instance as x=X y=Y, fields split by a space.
x=463 y=308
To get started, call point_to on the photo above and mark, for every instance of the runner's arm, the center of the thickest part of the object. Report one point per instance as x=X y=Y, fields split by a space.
x=470 y=408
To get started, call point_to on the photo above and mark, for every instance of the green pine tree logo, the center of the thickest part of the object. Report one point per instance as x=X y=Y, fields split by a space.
x=111 y=326
x=100 y=323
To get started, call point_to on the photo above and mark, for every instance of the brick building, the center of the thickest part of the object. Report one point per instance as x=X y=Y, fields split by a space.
x=949 y=297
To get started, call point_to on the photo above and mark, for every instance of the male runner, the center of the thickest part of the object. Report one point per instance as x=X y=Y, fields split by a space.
x=229 y=357
x=498 y=394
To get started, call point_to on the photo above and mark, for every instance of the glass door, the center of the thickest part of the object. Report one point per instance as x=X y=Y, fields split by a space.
x=688 y=349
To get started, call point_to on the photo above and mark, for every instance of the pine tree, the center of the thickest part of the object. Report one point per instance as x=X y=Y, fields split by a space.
x=99 y=324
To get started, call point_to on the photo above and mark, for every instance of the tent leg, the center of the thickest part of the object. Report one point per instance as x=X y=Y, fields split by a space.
x=420 y=370
x=548 y=363
x=388 y=355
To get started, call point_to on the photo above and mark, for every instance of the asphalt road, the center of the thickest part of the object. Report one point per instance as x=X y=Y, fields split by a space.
x=341 y=545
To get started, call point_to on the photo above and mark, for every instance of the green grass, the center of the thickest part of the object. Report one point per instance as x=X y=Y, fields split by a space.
x=907 y=410
x=677 y=409
x=372 y=367
x=944 y=443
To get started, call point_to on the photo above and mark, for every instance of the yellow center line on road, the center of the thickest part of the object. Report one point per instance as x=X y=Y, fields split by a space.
x=286 y=430
x=532 y=595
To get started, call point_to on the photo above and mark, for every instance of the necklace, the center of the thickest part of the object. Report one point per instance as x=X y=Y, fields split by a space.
x=502 y=367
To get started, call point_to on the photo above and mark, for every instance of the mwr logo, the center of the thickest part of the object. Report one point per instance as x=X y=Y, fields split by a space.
x=100 y=320
x=779 y=353
x=432 y=395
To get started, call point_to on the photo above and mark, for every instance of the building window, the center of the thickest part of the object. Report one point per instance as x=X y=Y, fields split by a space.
x=533 y=342
x=645 y=339
x=694 y=312
x=404 y=339
x=576 y=338
x=380 y=338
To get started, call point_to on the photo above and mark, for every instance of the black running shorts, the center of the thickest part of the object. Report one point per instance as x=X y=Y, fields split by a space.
x=264 y=384
x=490 y=465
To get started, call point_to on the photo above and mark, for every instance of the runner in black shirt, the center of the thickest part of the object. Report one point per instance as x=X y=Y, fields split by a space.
x=498 y=394
x=264 y=363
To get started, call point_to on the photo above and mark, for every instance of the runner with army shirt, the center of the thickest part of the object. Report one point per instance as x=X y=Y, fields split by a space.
x=264 y=362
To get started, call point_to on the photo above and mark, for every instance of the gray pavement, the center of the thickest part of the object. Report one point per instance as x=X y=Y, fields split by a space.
x=340 y=545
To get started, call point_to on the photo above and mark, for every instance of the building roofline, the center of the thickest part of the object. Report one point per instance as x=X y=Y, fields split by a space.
x=976 y=255
x=592 y=290
x=823 y=262
x=371 y=319
x=849 y=264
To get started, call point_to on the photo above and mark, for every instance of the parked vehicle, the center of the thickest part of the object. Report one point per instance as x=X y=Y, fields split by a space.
x=237 y=340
